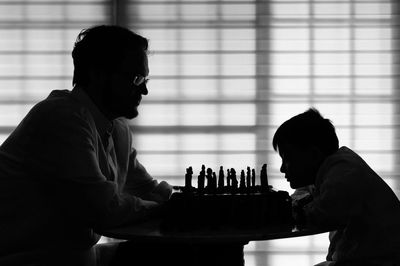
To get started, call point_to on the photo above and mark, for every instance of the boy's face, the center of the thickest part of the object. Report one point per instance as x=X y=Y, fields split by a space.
x=300 y=165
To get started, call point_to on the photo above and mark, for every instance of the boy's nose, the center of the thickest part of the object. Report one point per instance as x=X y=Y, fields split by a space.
x=283 y=169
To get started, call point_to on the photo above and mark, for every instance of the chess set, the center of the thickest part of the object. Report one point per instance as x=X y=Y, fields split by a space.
x=228 y=184
x=226 y=203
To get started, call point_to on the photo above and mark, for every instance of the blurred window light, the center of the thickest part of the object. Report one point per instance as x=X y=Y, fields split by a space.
x=348 y=50
x=224 y=75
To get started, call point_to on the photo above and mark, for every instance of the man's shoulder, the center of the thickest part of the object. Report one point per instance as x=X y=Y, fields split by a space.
x=60 y=107
x=59 y=98
x=59 y=102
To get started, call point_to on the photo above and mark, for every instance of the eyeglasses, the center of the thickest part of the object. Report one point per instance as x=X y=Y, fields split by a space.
x=139 y=80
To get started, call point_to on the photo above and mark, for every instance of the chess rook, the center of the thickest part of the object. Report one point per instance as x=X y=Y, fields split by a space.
x=264 y=178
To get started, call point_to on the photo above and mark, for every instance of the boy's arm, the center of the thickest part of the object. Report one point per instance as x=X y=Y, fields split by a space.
x=338 y=198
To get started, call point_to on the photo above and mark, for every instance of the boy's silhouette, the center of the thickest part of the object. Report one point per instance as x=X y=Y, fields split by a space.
x=348 y=196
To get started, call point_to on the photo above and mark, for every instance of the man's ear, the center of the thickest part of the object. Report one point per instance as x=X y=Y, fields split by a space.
x=98 y=79
x=97 y=75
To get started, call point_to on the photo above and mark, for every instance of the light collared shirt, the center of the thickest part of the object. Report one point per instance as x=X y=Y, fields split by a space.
x=351 y=196
x=65 y=171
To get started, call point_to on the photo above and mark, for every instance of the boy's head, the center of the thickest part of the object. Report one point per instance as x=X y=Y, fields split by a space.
x=303 y=142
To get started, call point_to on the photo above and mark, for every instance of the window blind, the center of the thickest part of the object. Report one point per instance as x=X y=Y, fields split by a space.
x=201 y=104
x=224 y=75
x=36 y=40
x=339 y=56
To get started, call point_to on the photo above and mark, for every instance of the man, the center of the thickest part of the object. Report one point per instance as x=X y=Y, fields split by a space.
x=69 y=167
x=349 y=196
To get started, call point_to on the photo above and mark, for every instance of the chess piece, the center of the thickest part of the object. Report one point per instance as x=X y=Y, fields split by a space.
x=242 y=186
x=221 y=178
x=264 y=178
x=188 y=178
x=253 y=177
x=228 y=178
x=203 y=170
x=248 y=184
x=209 y=178
x=234 y=180
x=200 y=180
x=214 y=183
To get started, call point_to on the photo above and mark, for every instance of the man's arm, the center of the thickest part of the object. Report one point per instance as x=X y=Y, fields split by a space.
x=63 y=154
x=140 y=183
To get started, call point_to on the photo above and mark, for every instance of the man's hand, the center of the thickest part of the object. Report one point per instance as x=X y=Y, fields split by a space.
x=150 y=204
x=153 y=209
x=161 y=193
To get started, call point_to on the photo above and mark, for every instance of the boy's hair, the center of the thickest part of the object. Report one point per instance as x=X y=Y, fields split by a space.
x=103 y=48
x=307 y=129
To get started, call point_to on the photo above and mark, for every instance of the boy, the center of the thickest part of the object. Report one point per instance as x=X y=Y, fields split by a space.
x=349 y=196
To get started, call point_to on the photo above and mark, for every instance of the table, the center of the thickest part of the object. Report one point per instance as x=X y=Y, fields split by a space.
x=204 y=247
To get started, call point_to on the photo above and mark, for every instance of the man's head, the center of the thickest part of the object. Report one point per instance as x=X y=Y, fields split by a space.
x=110 y=64
x=303 y=142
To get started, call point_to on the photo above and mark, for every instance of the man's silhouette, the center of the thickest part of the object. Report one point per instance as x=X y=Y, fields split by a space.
x=69 y=167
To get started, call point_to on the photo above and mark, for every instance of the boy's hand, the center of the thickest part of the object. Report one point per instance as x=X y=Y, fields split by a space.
x=298 y=209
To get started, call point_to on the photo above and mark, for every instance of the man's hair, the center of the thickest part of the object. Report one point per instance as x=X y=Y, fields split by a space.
x=103 y=48
x=307 y=129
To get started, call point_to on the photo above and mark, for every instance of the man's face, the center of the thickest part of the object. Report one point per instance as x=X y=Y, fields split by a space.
x=123 y=96
x=300 y=165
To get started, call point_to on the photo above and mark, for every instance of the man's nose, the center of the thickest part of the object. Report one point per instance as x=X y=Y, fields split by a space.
x=143 y=90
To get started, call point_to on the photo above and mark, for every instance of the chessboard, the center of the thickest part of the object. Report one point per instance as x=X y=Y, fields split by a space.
x=226 y=202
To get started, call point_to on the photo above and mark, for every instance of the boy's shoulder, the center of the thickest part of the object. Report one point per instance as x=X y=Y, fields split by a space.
x=344 y=166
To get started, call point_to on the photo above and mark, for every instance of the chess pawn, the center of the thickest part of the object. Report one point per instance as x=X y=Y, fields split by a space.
x=203 y=170
x=228 y=178
x=201 y=180
x=234 y=180
x=214 y=183
x=248 y=179
x=221 y=179
x=209 y=178
x=242 y=186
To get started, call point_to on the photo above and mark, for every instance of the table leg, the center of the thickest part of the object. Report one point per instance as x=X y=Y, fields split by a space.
x=156 y=254
x=218 y=255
